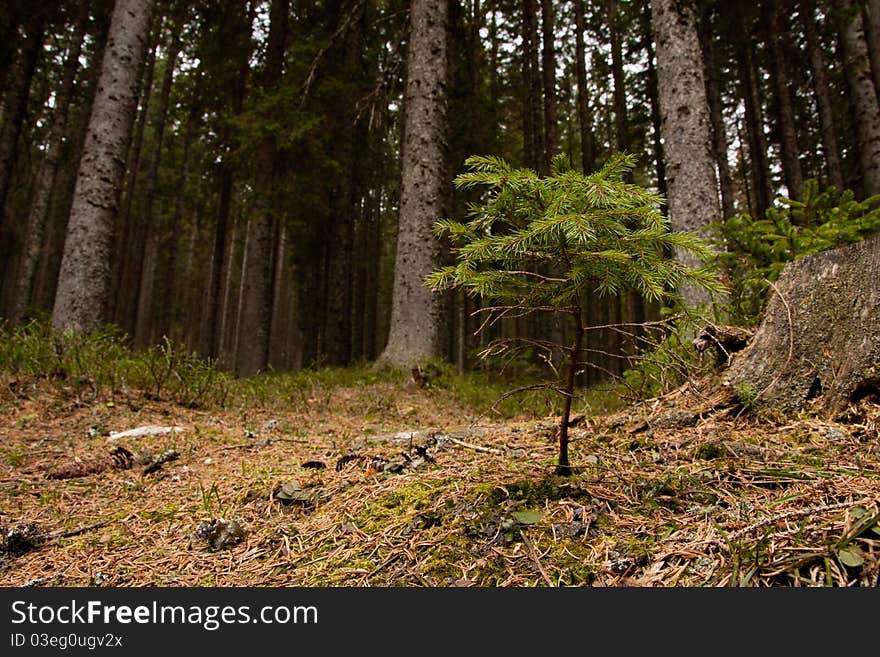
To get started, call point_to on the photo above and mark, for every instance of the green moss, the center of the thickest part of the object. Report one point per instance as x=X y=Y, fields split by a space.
x=710 y=451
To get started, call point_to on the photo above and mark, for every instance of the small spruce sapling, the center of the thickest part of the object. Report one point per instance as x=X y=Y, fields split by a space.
x=535 y=244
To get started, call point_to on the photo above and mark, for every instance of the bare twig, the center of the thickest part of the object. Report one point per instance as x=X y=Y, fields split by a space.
x=478 y=448
x=533 y=553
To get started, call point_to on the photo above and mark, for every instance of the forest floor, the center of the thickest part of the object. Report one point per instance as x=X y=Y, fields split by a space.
x=383 y=483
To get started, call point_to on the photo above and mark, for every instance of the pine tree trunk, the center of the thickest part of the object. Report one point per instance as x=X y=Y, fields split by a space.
x=84 y=279
x=791 y=165
x=143 y=279
x=15 y=103
x=871 y=17
x=585 y=117
x=533 y=125
x=255 y=326
x=862 y=92
x=38 y=215
x=654 y=96
x=686 y=129
x=10 y=21
x=621 y=122
x=130 y=228
x=830 y=145
x=62 y=195
x=757 y=139
x=548 y=75
x=416 y=312
x=223 y=240
x=716 y=114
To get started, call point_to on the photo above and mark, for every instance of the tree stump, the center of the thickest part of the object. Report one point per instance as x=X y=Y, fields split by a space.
x=819 y=340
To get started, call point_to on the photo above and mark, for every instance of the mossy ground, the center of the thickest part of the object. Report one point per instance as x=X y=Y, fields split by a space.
x=726 y=501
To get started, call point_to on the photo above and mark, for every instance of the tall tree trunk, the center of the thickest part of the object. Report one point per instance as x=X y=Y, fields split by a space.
x=74 y=144
x=416 y=312
x=585 y=115
x=687 y=133
x=757 y=140
x=38 y=214
x=223 y=242
x=716 y=113
x=830 y=145
x=10 y=20
x=533 y=128
x=145 y=271
x=548 y=73
x=255 y=325
x=125 y=259
x=656 y=122
x=779 y=47
x=862 y=92
x=15 y=104
x=621 y=122
x=84 y=279
x=871 y=16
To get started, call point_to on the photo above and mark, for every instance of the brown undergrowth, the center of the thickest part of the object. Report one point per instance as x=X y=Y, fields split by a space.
x=387 y=484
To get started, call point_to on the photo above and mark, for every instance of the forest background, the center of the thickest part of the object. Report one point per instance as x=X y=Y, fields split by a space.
x=255 y=215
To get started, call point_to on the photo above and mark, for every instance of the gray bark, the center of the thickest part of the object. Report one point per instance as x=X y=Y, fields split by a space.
x=38 y=214
x=687 y=133
x=866 y=110
x=415 y=328
x=830 y=144
x=84 y=279
x=819 y=341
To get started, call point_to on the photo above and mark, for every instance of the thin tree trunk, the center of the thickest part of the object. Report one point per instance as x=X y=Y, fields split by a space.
x=15 y=105
x=223 y=242
x=548 y=73
x=252 y=354
x=621 y=122
x=62 y=196
x=755 y=129
x=125 y=257
x=145 y=271
x=862 y=92
x=38 y=215
x=533 y=127
x=791 y=165
x=654 y=95
x=84 y=279
x=830 y=144
x=585 y=116
x=10 y=20
x=871 y=17
x=716 y=113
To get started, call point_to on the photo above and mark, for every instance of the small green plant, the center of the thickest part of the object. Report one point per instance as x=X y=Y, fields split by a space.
x=757 y=249
x=535 y=244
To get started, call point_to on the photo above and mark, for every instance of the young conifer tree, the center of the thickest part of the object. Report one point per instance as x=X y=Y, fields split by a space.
x=585 y=229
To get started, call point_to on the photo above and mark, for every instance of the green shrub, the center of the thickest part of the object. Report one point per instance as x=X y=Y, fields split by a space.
x=757 y=249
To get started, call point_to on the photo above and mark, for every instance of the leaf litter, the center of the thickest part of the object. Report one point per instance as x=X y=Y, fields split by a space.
x=658 y=498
